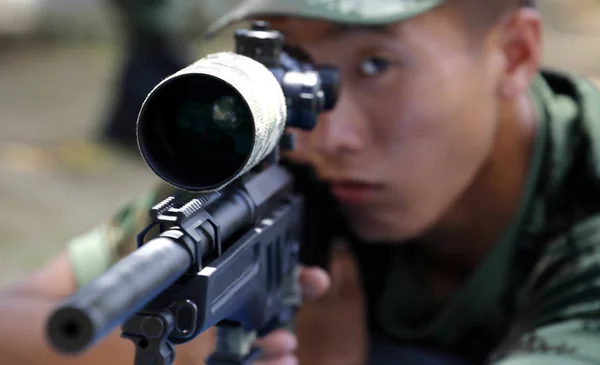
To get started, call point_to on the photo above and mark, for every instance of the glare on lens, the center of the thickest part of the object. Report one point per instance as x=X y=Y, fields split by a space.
x=226 y=111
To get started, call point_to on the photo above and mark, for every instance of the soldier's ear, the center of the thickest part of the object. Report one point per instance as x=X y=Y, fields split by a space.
x=520 y=42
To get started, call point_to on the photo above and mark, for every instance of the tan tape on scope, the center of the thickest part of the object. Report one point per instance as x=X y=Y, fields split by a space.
x=261 y=91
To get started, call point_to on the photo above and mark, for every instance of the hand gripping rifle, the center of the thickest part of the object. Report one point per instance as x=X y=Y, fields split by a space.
x=229 y=257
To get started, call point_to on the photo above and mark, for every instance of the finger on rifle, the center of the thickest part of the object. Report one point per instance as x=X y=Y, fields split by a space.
x=344 y=274
x=315 y=282
x=278 y=343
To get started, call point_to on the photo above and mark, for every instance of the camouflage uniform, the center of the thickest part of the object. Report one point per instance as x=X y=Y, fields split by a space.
x=535 y=298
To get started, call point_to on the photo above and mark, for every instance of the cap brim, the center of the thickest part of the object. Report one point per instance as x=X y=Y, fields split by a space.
x=377 y=12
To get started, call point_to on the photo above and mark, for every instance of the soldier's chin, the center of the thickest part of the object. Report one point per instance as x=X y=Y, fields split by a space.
x=379 y=230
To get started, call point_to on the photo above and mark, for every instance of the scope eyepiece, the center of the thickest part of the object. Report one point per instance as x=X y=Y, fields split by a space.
x=330 y=84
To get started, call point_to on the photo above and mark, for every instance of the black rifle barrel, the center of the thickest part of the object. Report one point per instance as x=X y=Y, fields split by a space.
x=97 y=308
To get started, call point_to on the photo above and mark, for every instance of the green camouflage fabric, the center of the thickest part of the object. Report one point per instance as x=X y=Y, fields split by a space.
x=553 y=271
x=173 y=18
x=95 y=251
x=372 y=12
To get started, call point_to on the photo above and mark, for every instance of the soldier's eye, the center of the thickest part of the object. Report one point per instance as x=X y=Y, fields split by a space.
x=374 y=66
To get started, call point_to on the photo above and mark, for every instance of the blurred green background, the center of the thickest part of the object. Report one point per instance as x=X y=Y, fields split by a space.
x=58 y=64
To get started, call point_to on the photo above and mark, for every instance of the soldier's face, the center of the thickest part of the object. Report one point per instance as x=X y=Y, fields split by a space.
x=414 y=122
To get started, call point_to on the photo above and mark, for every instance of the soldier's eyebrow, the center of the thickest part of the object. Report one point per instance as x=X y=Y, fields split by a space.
x=337 y=30
x=297 y=52
x=346 y=29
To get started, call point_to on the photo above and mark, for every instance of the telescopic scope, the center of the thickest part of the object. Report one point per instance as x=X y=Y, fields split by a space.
x=210 y=123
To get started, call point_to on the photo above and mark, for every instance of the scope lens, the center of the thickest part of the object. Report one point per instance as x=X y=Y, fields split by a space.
x=196 y=131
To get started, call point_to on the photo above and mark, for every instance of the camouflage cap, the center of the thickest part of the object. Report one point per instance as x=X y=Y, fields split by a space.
x=368 y=12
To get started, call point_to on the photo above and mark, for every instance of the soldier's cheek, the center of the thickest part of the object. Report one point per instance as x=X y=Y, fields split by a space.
x=302 y=152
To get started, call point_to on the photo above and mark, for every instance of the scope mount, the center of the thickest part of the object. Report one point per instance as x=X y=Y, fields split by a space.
x=260 y=43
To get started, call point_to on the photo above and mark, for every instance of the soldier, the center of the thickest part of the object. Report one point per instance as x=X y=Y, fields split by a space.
x=468 y=177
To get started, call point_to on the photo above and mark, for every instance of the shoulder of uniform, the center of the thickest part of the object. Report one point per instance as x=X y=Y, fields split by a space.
x=558 y=317
x=570 y=254
x=134 y=217
x=95 y=251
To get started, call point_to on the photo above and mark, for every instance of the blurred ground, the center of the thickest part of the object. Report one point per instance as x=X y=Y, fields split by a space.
x=54 y=183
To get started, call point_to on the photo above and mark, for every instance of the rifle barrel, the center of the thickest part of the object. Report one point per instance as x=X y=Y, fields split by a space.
x=114 y=296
